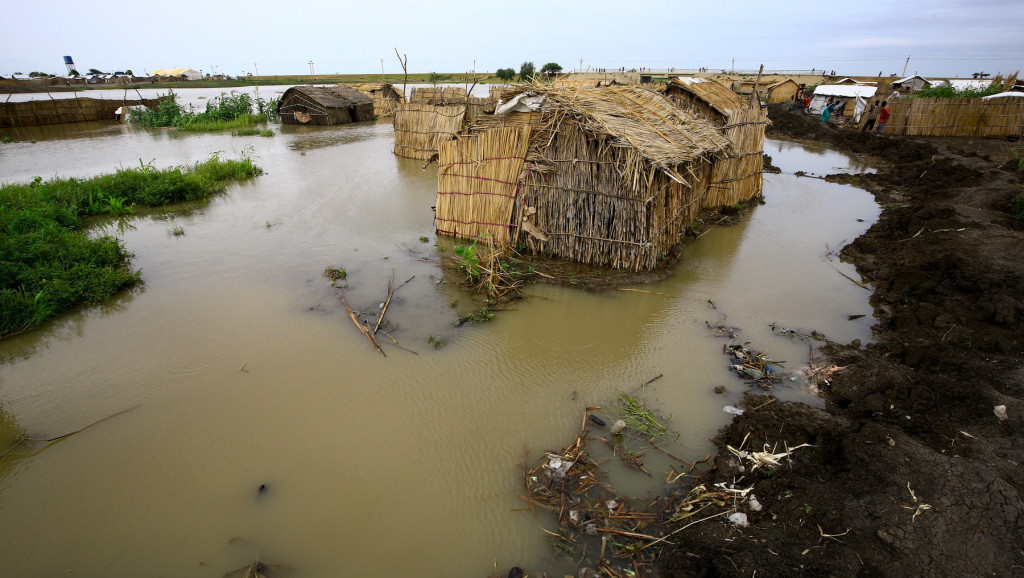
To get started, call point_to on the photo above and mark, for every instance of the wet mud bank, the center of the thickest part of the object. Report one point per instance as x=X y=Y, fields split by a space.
x=917 y=461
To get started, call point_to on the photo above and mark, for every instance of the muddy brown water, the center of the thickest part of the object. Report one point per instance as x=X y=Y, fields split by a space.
x=244 y=370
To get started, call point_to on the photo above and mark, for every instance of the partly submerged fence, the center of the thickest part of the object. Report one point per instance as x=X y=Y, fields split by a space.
x=61 y=110
x=964 y=117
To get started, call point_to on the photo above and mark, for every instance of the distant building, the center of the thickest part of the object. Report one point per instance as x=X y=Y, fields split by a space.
x=911 y=84
x=178 y=74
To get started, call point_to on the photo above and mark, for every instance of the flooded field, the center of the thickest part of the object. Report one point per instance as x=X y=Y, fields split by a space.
x=241 y=369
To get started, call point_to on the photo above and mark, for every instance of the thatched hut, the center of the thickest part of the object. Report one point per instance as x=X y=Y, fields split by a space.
x=781 y=91
x=605 y=176
x=386 y=97
x=738 y=178
x=328 y=105
x=420 y=127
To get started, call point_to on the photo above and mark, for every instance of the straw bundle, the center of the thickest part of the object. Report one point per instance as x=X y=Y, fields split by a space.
x=420 y=127
x=966 y=117
x=476 y=183
x=59 y=111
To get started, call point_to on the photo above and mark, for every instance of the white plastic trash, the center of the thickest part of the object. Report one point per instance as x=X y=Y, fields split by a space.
x=739 y=518
x=1000 y=411
x=754 y=504
x=733 y=410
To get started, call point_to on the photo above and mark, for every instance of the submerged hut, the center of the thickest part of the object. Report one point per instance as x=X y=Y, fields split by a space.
x=327 y=105
x=386 y=97
x=609 y=176
x=738 y=178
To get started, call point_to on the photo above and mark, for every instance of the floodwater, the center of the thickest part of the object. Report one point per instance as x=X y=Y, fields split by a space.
x=240 y=368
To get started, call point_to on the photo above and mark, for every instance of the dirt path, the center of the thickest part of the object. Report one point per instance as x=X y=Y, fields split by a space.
x=911 y=473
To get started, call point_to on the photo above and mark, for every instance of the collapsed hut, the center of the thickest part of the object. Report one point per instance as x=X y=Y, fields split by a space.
x=738 y=178
x=386 y=97
x=324 y=105
x=419 y=127
x=61 y=110
x=609 y=176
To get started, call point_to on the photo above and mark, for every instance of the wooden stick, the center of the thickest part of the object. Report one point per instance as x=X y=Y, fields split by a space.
x=363 y=329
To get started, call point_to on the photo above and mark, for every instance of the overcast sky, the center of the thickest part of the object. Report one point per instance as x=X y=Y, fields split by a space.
x=941 y=37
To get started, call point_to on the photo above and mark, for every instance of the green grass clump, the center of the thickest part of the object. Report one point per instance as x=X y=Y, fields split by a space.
x=48 y=261
x=1017 y=206
x=637 y=416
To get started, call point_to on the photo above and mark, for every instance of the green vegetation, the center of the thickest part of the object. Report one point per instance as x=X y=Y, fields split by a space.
x=1017 y=206
x=947 y=91
x=334 y=273
x=48 y=261
x=505 y=74
x=228 y=111
x=177 y=231
x=253 y=131
x=637 y=416
x=424 y=239
x=526 y=71
x=551 y=68
x=468 y=261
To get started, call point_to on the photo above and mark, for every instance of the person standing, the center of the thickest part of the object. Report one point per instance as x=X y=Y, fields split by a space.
x=872 y=115
x=883 y=115
x=827 y=112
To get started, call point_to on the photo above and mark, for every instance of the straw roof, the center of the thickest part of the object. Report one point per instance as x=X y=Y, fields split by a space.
x=332 y=96
x=637 y=118
x=718 y=96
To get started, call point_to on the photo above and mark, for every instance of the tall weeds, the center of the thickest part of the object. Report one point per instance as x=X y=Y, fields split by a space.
x=228 y=111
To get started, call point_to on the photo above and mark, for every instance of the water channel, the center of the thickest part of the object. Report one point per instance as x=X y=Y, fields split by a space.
x=241 y=369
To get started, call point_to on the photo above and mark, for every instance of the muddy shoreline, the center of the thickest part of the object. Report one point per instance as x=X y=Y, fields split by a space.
x=911 y=472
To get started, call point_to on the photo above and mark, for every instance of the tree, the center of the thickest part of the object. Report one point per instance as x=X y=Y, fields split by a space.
x=526 y=71
x=73 y=73
x=505 y=74
x=551 y=68
x=37 y=74
x=130 y=73
x=94 y=71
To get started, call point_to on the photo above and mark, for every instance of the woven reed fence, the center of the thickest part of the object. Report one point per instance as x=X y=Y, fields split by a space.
x=419 y=128
x=58 y=111
x=440 y=95
x=476 y=183
x=967 y=117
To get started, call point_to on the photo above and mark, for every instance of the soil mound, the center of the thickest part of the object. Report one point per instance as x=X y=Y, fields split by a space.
x=916 y=465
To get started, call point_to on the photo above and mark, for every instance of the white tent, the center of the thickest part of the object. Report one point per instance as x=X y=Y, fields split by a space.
x=186 y=73
x=839 y=92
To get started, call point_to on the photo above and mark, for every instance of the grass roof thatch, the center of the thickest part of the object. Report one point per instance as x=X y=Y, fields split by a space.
x=719 y=97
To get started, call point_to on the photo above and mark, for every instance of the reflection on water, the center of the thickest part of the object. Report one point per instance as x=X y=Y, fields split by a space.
x=248 y=372
x=813 y=159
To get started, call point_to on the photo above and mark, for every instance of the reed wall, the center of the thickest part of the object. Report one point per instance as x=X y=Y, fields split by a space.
x=967 y=117
x=477 y=179
x=419 y=128
x=58 y=111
